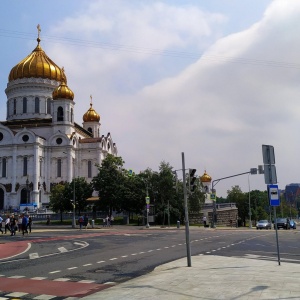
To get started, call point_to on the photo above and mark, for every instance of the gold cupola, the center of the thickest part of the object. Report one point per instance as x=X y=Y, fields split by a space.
x=63 y=91
x=205 y=177
x=37 y=65
x=91 y=115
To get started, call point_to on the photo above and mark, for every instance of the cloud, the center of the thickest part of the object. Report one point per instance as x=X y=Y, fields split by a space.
x=218 y=108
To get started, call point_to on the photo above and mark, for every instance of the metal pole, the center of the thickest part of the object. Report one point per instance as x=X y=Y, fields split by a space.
x=73 y=221
x=147 y=209
x=275 y=224
x=186 y=219
x=250 y=221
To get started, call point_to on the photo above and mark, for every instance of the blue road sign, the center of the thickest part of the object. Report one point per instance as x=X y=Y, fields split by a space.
x=274 y=195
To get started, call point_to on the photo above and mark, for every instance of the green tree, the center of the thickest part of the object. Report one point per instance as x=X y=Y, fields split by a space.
x=109 y=183
x=235 y=195
x=82 y=190
x=58 y=201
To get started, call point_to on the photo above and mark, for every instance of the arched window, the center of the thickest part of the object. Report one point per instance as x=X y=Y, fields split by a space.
x=15 y=106
x=25 y=164
x=60 y=114
x=3 y=167
x=72 y=115
x=59 y=168
x=37 y=105
x=48 y=106
x=89 y=169
x=90 y=130
x=24 y=105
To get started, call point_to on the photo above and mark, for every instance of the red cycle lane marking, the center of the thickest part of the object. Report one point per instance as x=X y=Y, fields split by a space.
x=49 y=287
x=13 y=249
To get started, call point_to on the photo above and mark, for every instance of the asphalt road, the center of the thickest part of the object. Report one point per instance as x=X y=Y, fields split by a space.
x=82 y=262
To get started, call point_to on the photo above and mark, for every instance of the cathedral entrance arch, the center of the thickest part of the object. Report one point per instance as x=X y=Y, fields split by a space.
x=1 y=199
x=24 y=196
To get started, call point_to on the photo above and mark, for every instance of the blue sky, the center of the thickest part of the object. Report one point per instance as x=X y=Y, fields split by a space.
x=214 y=79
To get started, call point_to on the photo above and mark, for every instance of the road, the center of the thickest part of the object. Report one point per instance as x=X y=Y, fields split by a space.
x=73 y=263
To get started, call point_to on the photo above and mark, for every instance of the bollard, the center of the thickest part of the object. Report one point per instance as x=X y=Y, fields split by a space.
x=178 y=224
x=93 y=223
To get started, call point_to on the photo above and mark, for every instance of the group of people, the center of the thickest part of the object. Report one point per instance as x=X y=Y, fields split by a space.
x=83 y=221
x=108 y=221
x=14 y=223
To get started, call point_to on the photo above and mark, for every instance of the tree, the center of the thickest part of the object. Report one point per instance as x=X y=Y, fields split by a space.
x=110 y=184
x=82 y=190
x=58 y=201
x=235 y=195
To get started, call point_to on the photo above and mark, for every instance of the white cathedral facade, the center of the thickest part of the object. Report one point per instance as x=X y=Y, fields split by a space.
x=40 y=142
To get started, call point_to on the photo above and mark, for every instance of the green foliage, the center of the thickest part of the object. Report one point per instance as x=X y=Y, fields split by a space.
x=58 y=201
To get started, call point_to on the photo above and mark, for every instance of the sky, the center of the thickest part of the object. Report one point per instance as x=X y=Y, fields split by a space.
x=214 y=80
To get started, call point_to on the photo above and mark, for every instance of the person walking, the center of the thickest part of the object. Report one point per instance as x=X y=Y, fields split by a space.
x=80 y=221
x=24 y=224
x=204 y=221
x=1 y=220
x=20 y=223
x=13 y=225
x=7 y=224
x=29 y=224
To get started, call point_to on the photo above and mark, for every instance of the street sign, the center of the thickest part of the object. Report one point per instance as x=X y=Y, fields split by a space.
x=274 y=195
x=213 y=197
x=147 y=200
x=270 y=174
x=268 y=154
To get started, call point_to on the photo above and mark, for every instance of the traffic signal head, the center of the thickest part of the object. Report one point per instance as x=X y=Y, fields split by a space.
x=192 y=172
x=130 y=172
x=193 y=179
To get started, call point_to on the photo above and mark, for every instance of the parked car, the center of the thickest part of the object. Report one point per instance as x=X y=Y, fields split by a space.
x=263 y=224
x=283 y=223
x=293 y=224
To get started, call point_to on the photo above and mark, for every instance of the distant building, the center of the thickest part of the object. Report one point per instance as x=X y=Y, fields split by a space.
x=40 y=142
x=205 y=179
x=292 y=192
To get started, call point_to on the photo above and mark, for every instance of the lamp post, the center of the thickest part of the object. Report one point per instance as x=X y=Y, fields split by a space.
x=250 y=221
x=74 y=205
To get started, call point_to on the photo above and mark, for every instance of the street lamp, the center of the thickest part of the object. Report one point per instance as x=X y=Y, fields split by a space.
x=250 y=221
x=74 y=205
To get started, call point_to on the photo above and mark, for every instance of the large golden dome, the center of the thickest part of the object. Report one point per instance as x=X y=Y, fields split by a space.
x=205 y=177
x=37 y=65
x=63 y=91
x=91 y=115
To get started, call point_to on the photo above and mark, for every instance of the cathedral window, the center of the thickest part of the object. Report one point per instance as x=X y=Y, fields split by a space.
x=59 y=167
x=60 y=114
x=25 y=165
x=15 y=106
x=58 y=141
x=72 y=115
x=1 y=136
x=24 y=105
x=48 y=106
x=90 y=130
x=3 y=167
x=37 y=105
x=25 y=138
x=89 y=169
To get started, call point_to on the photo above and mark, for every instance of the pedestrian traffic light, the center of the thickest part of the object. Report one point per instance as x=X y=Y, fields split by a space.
x=130 y=172
x=175 y=179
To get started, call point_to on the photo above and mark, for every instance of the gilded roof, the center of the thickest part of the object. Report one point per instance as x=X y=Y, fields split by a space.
x=91 y=115
x=37 y=65
x=63 y=91
x=205 y=177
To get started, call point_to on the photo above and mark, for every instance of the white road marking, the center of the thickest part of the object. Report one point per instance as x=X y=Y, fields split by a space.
x=72 y=268
x=100 y=262
x=33 y=255
x=61 y=279
x=53 y=272
x=39 y=278
x=86 y=281
x=86 y=265
x=62 y=249
x=16 y=276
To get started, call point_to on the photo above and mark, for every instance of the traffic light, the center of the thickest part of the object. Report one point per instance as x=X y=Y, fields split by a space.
x=175 y=180
x=192 y=180
x=130 y=172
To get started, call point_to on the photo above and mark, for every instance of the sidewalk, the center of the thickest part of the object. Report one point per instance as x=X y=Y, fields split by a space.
x=211 y=278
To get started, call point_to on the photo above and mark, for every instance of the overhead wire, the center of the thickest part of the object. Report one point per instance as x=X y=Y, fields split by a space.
x=151 y=51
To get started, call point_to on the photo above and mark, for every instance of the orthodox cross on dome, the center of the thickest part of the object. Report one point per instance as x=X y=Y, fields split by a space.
x=91 y=100
x=39 y=30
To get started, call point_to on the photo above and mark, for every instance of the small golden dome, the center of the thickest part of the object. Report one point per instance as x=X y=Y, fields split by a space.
x=37 y=65
x=91 y=115
x=205 y=177
x=63 y=91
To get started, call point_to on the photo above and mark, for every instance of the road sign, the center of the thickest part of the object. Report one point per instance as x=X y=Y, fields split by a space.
x=274 y=195
x=268 y=154
x=270 y=174
x=147 y=200
x=213 y=197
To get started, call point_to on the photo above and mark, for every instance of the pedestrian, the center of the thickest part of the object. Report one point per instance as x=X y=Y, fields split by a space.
x=80 y=221
x=20 y=223
x=13 y=225
x=108 y=221
x=29 y=224
x=1 y=220
x=85 y=221
x=24 y=224
x=104 y=222
x=7 y=224
x=204 y=221
x=48 y=220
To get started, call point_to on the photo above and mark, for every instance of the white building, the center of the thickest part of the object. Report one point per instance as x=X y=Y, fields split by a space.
x=40 y=142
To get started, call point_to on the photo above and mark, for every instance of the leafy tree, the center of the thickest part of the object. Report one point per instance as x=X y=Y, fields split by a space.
x=235 y=195
x=82 y=190
x=58 y=201
x=110 y=184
